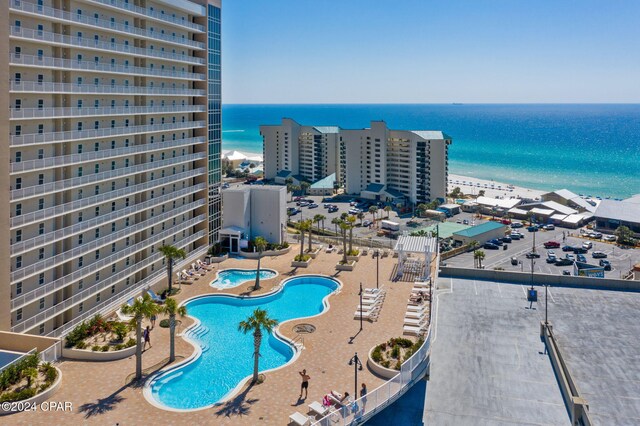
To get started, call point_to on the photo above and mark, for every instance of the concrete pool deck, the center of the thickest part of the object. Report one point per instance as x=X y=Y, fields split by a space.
x=100 y=395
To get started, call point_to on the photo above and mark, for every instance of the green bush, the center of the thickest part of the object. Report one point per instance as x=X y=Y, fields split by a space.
x=120 y=329
x=13 y=374
x=395 y=352
x=50 y=372
x=119 y=347
x=164 y=323
x=95 y=348
x=376 y=355
x=302 y=258
x=21 y=395
x=398 y=365
x=130 y=342
x=401 y=341
x=105 y=348
x=81 y=345
x=353 y=252
x=386 y=364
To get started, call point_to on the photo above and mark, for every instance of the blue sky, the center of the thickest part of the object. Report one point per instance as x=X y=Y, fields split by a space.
x=427 y=51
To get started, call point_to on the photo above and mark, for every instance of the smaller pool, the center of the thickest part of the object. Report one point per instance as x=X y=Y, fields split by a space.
x=229 y=278
x=7 y=357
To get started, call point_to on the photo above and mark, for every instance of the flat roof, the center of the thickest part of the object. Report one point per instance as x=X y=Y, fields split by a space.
x=445 y=229
x=474 y=231
x=627 y=211
x=416 y=244
x=488 y=365
x=325 y=183
x=505 y=203
x=431 y=134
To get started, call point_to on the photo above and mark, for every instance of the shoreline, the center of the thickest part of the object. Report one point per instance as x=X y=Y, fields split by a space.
x=471 y=186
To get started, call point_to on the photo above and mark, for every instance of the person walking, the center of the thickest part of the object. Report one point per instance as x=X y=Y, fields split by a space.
x=153 y=321
x=147 y=338
x=363 y=395
x=305 y=383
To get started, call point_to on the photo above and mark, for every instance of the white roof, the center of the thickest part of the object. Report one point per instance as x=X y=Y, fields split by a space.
x=575 y=218
x=416 y=244
x=626 y=211
x=558 y=216
x=237 y=155
x=566 y=194
x=559 y=207
x=543 y=212
x=506 y=203
x=516 y=210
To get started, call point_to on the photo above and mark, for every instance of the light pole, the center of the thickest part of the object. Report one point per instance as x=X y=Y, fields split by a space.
x=360 y=294
x=546 y=320
x=357 y=365
x=377 y=268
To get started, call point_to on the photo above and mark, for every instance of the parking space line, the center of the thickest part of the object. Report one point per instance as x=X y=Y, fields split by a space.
x=475 y=287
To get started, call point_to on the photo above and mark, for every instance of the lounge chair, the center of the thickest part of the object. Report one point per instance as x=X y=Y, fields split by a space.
x=299 y=419
x=416 y=314
x=414 y=321
x=373 y=297
x=197 y=270
x=365 y=251
x=385 y=253
x=417 y=308
x=367 y=309
x=374 y=290
x=189 y=274
x=413 y=330
x=329 y=249
x=204 y=265
x=319 y=409
x=154 y=296
x=369 y=315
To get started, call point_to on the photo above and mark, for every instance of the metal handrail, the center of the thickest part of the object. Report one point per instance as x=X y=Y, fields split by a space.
x=24 y=86
x=62 y=112
x=93 y=22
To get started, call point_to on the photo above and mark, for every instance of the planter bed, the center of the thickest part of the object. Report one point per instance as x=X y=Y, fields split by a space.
x=349 y=266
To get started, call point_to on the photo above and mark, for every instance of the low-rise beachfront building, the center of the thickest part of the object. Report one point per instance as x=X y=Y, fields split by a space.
x=253 y=211
x=325 y=186
x=569 y=199
x=480 y=233
x=496 y=206
x=376 y=163
x=612 y=214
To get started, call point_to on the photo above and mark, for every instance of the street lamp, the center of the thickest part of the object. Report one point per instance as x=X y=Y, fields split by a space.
x=377 y=268
x=546 y=321
x=360 y=294
x=357 y=365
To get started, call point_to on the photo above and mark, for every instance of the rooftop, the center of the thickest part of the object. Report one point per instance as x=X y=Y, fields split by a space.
x=374 y=187
x=327 y=129
x=431 y=134
x=627 y=211
x=505 y=203
x=479 y=229
x=325 y=183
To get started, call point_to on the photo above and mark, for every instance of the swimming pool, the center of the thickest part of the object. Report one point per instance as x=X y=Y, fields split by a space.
x=7 y=357
x=225 y=357
x=229 y=278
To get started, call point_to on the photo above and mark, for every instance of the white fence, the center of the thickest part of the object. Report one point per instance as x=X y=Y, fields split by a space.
x=31 y=352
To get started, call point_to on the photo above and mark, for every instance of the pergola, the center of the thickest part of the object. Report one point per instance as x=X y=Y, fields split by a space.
x=424 y=245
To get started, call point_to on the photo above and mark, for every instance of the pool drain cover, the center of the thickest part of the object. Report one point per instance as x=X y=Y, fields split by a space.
x=304 y=328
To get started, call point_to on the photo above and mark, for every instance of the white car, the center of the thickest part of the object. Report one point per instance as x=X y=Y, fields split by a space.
x=609 y=238
x=549 y=227
x=587 y=245
x=551 y=253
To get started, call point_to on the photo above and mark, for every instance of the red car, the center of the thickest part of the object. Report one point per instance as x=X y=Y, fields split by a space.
x=551 y=244
x=505 y=222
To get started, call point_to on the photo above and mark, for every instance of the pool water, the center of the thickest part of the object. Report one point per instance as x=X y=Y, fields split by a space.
x=229 y=278
x=7 y=357
x=227 y=354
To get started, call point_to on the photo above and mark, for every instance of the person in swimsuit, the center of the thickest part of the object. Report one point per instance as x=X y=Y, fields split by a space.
x=305 y=383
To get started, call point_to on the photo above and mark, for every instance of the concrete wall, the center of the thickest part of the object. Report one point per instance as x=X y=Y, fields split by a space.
x=235 y=211
x=25 y=342
x=5 y=288
x=268 y=212
x=541 y=279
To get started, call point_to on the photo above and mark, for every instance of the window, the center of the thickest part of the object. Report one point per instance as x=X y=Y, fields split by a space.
x=80 y=239
x=98 y=297
x=41 y=303
x=113 y=289
x=96 y=190
x=80 y=306
x=40 y=253
x=18 y=104
x=18 y=209
x=40 y=203
x=19 y=314
x=96 y=125
x=41 y=278
x=97 y=254
x=18 y=262
x=40 y=179
x=96 y=146
x=80 y=126
x=41 y=229
x=17 y=77
x=41 y=327
x=40 y=29
x=79 y=171
x=19 y=288
x=113 y=250
x=18 y=235
x=80 y=261
x=97 y=276
x=40 y=129
x=18 y=183
x=18 y=131
x=97 y=233
x=97 y=210
x=96 y=168
x=80 y=284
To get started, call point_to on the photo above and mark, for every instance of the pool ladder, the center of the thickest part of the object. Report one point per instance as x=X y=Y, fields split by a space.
x=298 y=341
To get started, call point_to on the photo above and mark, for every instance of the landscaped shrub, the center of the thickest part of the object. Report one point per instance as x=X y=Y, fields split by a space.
x=130 y=342
x=14 y=373
x=95 y=348
x=353 y=252
x=50 y=372
x=120 y=329
x=119 y=347
x=401 y=341
x=164 y=323
x=302 y=258
x=23 y=394
x=395 y=352
x=376 y=355
x=105 y=348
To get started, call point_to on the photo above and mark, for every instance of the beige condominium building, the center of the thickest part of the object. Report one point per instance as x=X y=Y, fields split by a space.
x=110 y=148
x=376 y=163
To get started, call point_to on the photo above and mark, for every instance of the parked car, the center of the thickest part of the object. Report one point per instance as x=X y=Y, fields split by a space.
x=570 y=257
x=490 y=246
x=353 y=203
x=505 y=222
x=327 y=205
x=506 y=239
x=313 y=206
x=532 y=228
x=579 y=250
x=567 y=248
x=587 y=245
x=610 y=238
x=599 y=255
x=533 y=255
x=465 y=222
x=563 y=262
x=551 y=258
x=551 y=244
x=515 y=225
x=514 y=261
x=332 y=209
x=566 y=272
x=549 y=227
x=581 y=258
x=496 y=242
x=595 y=235
x=354 y=211
x=366 y=223
x=516 y=235
x=606 y=264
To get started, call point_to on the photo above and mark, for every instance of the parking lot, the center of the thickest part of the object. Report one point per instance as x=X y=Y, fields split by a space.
x=621 y=259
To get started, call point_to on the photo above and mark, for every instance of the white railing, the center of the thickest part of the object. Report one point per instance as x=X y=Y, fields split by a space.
x=69 y=160
x=67 y=184
x=92 y=22
x=52 y=353
x=100 y=243
x=89 y=66
x=103 y=46
x=363 y=409
x=119 y=4
x=110 y=305
x=58 y=112
x=53 y=212
x=50 y=87
x=73 y=135
x=77 y=228
x=83 y=295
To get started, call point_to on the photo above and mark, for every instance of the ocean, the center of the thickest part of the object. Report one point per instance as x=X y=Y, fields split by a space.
x=591 y=149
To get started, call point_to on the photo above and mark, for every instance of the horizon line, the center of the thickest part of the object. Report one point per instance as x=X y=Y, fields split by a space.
x=432 y=103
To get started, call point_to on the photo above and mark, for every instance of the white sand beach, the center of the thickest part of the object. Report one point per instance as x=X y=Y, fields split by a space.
x=473 y=186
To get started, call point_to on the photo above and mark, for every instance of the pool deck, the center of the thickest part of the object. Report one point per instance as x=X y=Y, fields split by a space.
x=100 y=395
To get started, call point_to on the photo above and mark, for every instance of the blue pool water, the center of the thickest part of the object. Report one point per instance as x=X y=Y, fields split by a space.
x=227 y=354
x=7 y=357
x=230 y=278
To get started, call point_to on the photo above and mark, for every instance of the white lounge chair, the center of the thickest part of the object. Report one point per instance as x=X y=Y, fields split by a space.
x=367 y=309
x=299 y=419
x=413 y=330
x=416 y=308
x=329 y=249
x=374 y=290
x=372 y=297
x=369 y=315
x=319 y=409
x=204 y=265
x=414 y=321
x=189 y=275
x=417 y=314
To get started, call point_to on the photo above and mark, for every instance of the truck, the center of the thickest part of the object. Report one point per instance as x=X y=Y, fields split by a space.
x=389 y=225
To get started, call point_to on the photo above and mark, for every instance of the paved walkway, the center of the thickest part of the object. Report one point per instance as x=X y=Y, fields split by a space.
x=100 y=396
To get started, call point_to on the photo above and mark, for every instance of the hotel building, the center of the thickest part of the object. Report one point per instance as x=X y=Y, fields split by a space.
x=110 y=148
x=376 y=163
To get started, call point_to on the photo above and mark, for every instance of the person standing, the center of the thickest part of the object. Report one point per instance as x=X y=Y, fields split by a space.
x=363 y=395
x=147 y=338
x=153 y=321
x=305 y=383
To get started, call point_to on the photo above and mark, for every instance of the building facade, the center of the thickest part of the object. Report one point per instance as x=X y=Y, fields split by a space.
x=110 y=149
x=376 y=162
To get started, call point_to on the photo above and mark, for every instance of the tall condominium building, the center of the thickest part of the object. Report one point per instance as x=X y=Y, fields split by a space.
x=377 y=163
x=110 y=148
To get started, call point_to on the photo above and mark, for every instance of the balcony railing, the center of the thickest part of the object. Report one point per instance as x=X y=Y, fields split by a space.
x=76 y=275
x=92 y=66
x=70 y=112
x=100 y=243
x=69 y=160
x=146 y=13
x=74 y=135
x=62 y=209
x=50 y=87
x=96 y=178
x=92 y=22
x=103 y=46
x=103 y=219
x=111 y=304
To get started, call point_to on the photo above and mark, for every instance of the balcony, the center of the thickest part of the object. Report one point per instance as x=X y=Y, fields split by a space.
x=71 y=112
x=100 y=243
x=76 y=135
x=73 y=206
x=92 y=22
x=95 y=178
x=92 y=66
x=146 y=13
x=91 y=89
x=90 y=224
x=97 y=45
x=76 y=275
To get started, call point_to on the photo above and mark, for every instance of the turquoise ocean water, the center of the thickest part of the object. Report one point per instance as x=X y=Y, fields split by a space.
x=590 y=149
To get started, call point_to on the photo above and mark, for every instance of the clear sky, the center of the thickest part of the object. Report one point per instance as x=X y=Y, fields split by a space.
x=427 y=51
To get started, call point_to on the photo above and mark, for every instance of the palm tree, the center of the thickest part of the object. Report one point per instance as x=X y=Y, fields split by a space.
x=335 y=222
x=351 y=220
x=373 y=210
x=143 y=307
x=304 y=186
x=317 y=219
x=303 y=226
x=172 y=309
x=388 y=210
x=258 y=321
x=260 y=244
x=360 y=216
x=170 y=253
x=343 y=230
x=421 y=208
x=309 y=229
x=474 y=244
x=479 y=256
x=289 y=182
